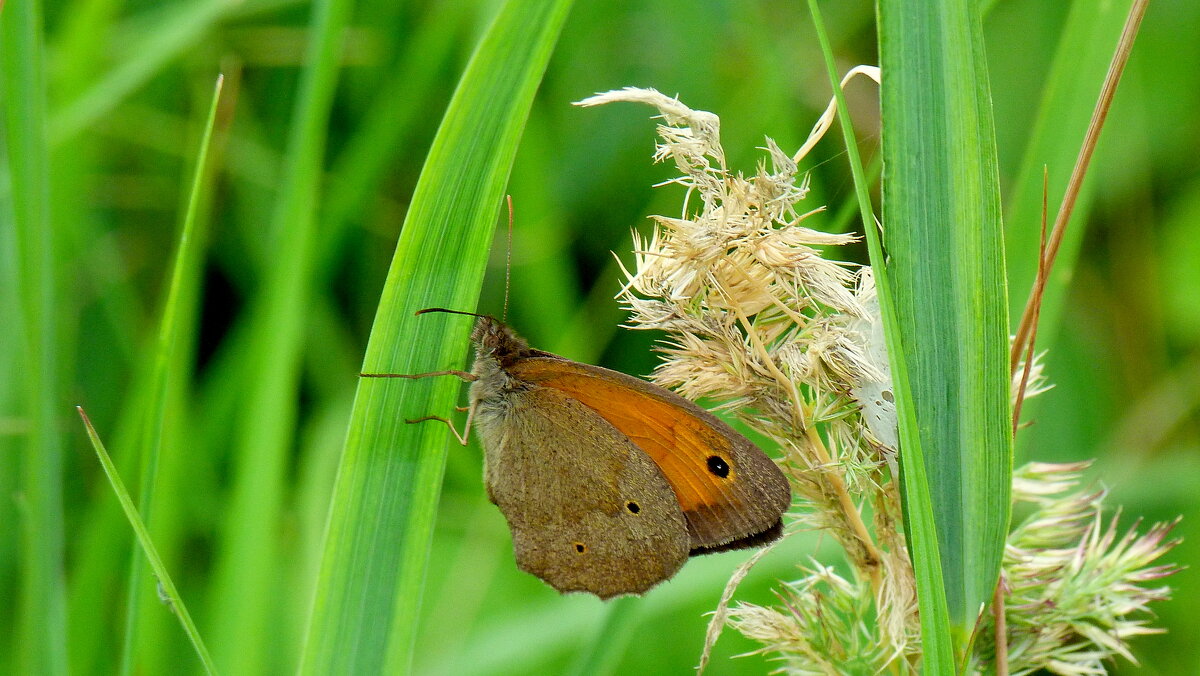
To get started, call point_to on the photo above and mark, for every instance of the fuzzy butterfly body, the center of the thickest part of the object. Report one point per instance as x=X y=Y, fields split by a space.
x=609 y=483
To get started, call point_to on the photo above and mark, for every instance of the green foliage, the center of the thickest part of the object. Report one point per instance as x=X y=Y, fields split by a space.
x=941 y=209
x=262 y=383
x=34 y=380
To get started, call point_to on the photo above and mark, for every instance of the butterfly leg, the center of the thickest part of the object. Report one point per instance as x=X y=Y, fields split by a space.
x=463 y=375
x=466 y=433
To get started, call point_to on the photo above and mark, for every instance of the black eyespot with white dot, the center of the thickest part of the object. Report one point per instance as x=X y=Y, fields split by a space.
x=718 y=466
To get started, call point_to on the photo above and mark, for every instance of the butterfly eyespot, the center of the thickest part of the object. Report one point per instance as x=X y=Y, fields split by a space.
x=888 y=397
x=633 y=507
x=718 y=466
x=580 y=547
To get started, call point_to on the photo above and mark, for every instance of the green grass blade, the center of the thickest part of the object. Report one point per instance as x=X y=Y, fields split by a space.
x=12 y=441
x=381 y=520
x=247 y=585
x=943 y=233
x=920 y=514
x=42 y=641
x=143 y=537
x=186 y=262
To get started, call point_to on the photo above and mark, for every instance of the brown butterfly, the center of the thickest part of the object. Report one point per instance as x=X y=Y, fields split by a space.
x=608 y=482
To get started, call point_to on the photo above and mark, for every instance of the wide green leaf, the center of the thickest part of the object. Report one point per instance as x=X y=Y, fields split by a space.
x=381 y=520
x=941 y=208
x=936 y=645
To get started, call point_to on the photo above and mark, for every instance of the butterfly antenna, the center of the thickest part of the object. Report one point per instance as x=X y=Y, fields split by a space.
x=508 y=258
x=448 y=311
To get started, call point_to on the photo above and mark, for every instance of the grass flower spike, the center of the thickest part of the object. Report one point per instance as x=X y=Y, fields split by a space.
x=1076 y=585
x=761 y=321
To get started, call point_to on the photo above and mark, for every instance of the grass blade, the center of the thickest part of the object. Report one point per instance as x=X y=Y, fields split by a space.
x=143 y=537
x=42 y=638
x=381 y=521
x=186 y=262
x=937 y=647
x=941 y=206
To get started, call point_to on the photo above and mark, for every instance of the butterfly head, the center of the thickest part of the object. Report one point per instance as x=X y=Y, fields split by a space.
x=494 y=339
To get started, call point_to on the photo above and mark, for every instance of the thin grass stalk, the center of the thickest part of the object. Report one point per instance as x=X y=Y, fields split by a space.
x=1099 y=114
x=1082 y=56
x=155 y=411
x=170 y=593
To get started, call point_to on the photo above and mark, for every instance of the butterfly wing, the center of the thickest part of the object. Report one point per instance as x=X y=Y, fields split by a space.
x=587 y=509
x=731 y=493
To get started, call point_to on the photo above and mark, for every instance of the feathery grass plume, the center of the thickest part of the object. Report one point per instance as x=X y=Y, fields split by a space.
x=820 y=627
x=762 y=323
x=1076 y=588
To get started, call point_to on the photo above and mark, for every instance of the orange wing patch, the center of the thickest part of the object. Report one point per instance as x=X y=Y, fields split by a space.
x=685 y=448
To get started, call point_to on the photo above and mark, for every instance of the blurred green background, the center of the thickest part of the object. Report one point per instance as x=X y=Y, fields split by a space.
x=128 y=85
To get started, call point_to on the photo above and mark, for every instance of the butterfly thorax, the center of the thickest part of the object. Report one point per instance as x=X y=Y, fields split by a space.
x=497 y=396
x=497 y=349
